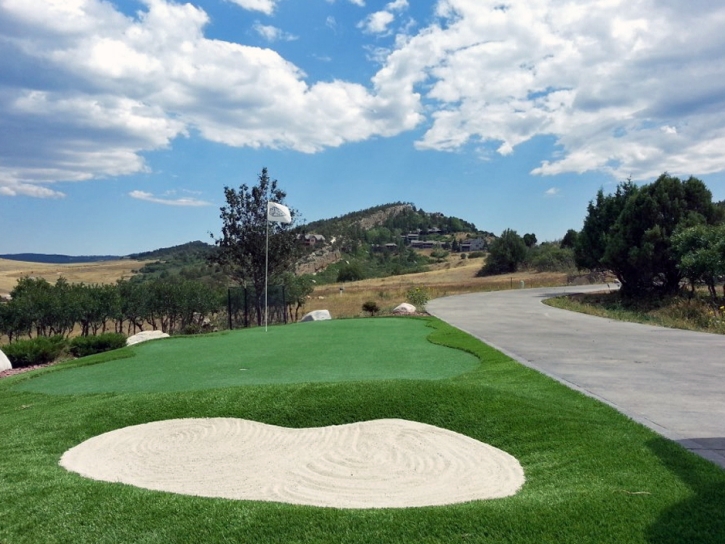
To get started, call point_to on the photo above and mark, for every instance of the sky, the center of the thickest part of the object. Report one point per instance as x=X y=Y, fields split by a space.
x=121 y=121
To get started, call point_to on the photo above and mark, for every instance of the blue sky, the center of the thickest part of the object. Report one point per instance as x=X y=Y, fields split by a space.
x=122 y=121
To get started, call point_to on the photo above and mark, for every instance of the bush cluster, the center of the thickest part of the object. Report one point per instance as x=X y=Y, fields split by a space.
x=82 y=346
x=371 y=307
x=418 y=296
x=36 y=351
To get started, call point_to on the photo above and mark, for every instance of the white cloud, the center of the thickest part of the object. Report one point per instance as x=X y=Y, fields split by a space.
x=380 y=21
x=99 y=89
x=553 y=191
x=265 y=6
x=184 y=201
x=609 y=80
x=272 y=33
x=625 y=87
x=377 y=23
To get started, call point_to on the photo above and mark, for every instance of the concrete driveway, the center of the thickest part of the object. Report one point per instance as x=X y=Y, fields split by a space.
x=670 y=380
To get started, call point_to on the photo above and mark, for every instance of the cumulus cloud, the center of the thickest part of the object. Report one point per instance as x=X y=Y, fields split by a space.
x=629 y=88
x=265 y=6
x=99 y=88
x=379 y=22
x=272 y=33
x=553 y=191
x=183 y=201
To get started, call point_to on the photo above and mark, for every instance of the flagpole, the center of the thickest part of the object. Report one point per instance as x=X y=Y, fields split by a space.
x=266 y=269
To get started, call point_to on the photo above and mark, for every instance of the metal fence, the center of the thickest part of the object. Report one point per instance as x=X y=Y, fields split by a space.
x=245 y=310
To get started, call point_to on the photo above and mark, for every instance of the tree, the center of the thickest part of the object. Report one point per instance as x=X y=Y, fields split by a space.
x=530 y=239
x=506 y=253
x=700 y=251
x=569 y=240
x=602 y=213
x=244 y=234
x=639 y=249
x=630 y=232
x=297 y=290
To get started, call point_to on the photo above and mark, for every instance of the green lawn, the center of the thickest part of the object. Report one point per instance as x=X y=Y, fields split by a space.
x=592 y=474
x=326 y=351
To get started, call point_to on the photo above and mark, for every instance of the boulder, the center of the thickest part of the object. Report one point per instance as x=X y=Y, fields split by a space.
x=143 y=336
x=404 y=309
x=317 y=315
x=4 y=362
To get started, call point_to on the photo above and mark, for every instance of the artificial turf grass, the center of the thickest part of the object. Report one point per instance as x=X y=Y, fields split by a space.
x=327 y=351
x=584 y=465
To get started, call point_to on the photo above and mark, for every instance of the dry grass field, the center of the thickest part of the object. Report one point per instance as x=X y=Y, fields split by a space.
x=450 y=278
x=101 y=272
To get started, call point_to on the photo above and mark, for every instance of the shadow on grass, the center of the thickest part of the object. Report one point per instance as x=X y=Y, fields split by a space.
x=700 y=518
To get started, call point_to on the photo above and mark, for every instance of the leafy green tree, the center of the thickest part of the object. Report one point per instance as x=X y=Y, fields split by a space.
x=297 y=289
x=439 y=255
x=506 y=253
x=700 y=251
x=639 y=248
x=550 y=257
x=530 y=239
x=244 y=233
x=134 y=299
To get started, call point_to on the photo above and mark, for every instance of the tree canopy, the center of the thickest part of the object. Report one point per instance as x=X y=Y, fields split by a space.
x=630 y=232
x=506 y=253
x=243 y=241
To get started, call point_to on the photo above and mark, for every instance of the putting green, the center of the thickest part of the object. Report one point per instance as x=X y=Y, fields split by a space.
x=326 y=351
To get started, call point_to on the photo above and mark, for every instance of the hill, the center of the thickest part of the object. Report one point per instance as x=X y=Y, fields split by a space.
x=385 y=240
x=375 y=242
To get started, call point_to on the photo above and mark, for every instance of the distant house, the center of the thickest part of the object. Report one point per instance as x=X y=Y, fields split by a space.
x=424 y=244
x=473 y=244
x=311 y=239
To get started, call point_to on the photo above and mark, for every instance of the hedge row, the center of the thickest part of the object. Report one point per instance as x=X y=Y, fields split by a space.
x=42 y=350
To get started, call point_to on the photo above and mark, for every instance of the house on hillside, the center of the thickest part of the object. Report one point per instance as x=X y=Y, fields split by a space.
x=311 y=239
x=425 y=244
x=473 y=244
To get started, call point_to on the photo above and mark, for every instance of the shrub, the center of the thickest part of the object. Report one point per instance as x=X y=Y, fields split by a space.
x=418 y=296
x=350 y=272
x=37 y=351
x=370 y=307
x=476 y=254
x=82 y=346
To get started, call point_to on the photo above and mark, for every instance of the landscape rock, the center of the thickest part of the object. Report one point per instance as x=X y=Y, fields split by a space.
x=404 y=309
x=143 y=336
x=4 y=362
x=317 y=315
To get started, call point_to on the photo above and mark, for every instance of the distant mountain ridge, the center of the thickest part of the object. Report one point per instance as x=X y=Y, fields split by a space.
x=349 y=237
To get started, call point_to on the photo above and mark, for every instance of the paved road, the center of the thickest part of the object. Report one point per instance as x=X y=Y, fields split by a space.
x=670 y=380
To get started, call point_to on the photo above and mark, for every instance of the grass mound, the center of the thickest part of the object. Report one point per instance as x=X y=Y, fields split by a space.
x=327 y=351
x=592 y=475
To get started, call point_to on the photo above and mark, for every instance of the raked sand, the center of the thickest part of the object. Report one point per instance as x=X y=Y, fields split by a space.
x=386 y=463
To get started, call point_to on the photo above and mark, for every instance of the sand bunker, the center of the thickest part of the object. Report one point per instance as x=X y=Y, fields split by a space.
x=387 y=463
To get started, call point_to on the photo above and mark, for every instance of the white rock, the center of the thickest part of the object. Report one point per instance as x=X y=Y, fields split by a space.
x=317 y=315
x=404 y=309
x=4 y=362
x=143 y=336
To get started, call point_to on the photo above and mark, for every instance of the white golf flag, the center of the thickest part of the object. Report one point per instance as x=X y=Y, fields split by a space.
x=277 y=213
